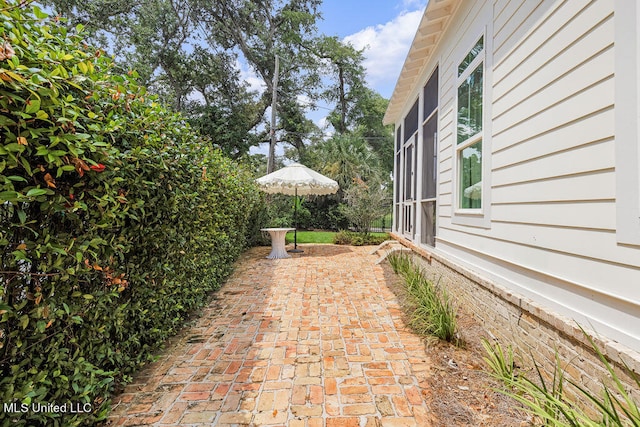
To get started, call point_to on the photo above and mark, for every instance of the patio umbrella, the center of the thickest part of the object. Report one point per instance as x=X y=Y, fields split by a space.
x=296 y=179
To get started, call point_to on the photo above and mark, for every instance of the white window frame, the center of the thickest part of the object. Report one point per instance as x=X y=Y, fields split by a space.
x=469 y=216
x=627 y=122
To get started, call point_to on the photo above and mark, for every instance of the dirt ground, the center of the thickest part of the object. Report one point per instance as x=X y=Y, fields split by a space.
x=462 y=392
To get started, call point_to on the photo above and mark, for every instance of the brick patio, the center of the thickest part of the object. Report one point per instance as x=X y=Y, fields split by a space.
x=311 y=341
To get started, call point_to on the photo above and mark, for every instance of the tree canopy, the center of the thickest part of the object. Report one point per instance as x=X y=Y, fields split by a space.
x=189 y=53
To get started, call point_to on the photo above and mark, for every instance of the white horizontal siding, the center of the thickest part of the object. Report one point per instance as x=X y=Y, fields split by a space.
x=584 y=103
x=592 y=157
x=613 y=316
x=510 y=21
x=516 y=107
x=547 y=39
x=599 y=215
x=595 y=185
x=590 y=52
x=571 y=241
x=552 y=252
x=551 y=134
x=553 y=164
x=593 y=127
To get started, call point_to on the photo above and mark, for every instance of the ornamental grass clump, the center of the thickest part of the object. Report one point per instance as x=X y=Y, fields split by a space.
x=400 y=262
x=551 y=400
x=501 y=362
x=433 y=312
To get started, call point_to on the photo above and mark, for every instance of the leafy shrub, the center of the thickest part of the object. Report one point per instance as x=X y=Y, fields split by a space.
x=346 y=237
x=116 y=220
x=365 y=203
x=326 y=213
x=280 y=212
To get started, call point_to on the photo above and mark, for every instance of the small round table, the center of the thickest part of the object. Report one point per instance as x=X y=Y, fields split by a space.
x=278 y=242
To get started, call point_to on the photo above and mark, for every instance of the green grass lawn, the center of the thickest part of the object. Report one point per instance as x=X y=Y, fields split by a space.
x=317 y=236
x=312 y=236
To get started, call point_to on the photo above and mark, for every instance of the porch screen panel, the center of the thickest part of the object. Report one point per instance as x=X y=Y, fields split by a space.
x=408 y=181
x=429 y=157
x=411 y=122
x=398 y=172
x=431 y=95
x=428 y=223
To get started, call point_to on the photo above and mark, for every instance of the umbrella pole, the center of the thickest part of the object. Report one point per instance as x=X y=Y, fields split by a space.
x=295 y=224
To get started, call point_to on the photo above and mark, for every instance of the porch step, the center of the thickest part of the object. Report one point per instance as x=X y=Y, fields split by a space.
x=382 y=245
x=386 y=248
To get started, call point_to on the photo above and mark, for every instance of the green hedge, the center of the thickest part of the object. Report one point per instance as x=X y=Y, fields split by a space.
x=116 y=221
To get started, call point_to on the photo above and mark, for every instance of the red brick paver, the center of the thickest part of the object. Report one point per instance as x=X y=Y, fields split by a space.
x=312 y=341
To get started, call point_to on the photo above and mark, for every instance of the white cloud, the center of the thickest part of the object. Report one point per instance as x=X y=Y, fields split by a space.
x=305 y=101
x=325 y=126
x=386 y=47
x=248 y=75
x=413 y=4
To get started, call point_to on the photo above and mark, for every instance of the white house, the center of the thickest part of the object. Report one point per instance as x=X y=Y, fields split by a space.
x=517 y=159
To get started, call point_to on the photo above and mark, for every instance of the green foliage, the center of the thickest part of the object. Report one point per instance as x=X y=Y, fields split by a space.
x=365 y=203
x=260 y=31
x=343 y=63
x=434 y=313
x=400 y=262
x=115 y=220
x=500 y=362
x=344 y=158
x=368 y=116
x=161 y=40
x=432 y=309
x=325 y=213
x=549 y=401
x=346 y=237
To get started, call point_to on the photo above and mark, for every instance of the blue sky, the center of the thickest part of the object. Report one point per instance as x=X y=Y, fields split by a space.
x=339 y=18
x=385 y=28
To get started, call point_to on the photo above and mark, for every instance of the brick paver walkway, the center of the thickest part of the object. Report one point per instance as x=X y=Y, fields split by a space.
x=312 y=341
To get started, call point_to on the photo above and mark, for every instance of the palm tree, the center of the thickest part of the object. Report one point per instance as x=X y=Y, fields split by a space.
x=346 y=158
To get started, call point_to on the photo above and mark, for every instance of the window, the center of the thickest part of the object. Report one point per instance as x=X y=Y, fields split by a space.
x=469 y=127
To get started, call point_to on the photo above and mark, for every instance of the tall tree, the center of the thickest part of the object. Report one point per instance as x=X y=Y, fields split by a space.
x=366 y=117
x=260 y=30
x=358 y=109
x=222 y=108
x=163 y=42
x=188 y=51
x=342 y=63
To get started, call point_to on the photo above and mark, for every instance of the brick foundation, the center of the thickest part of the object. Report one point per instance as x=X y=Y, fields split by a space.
x=528 y=327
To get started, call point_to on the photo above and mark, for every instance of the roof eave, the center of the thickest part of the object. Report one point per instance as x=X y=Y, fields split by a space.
x=434 y=22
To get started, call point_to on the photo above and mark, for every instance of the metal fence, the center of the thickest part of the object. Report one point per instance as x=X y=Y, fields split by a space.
x=382 y=224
